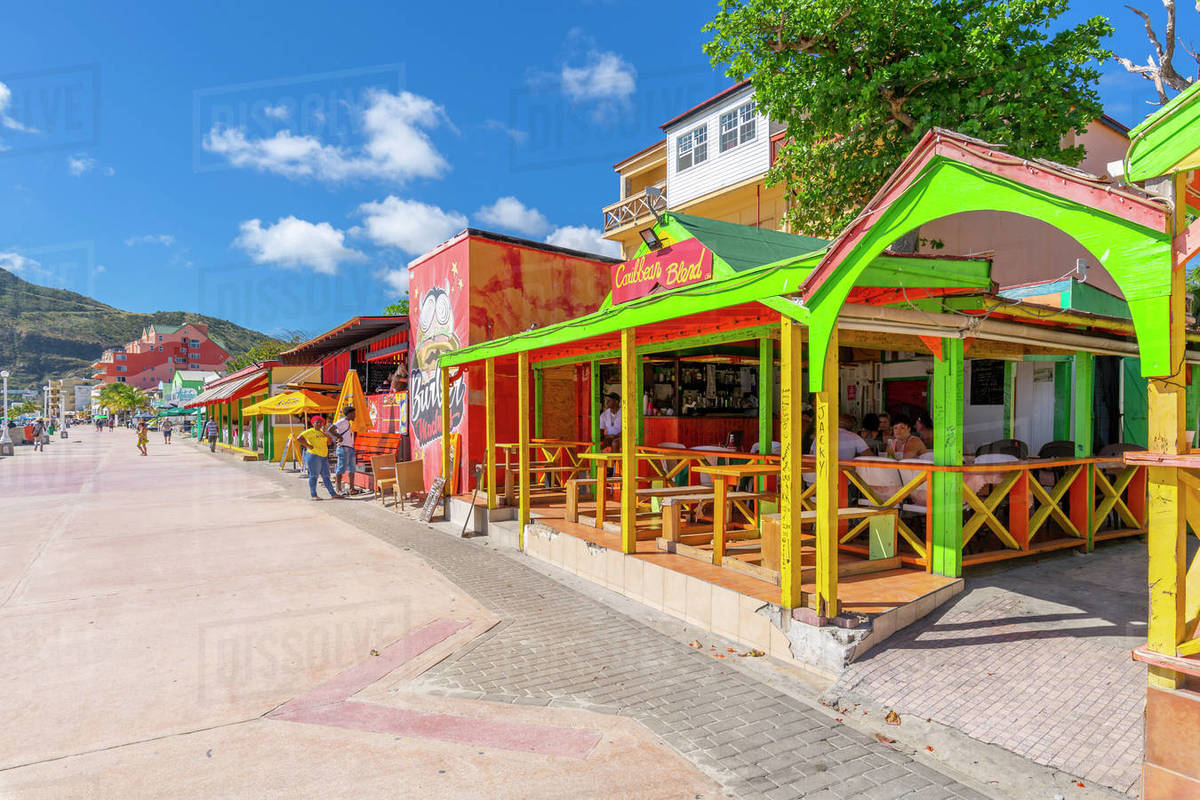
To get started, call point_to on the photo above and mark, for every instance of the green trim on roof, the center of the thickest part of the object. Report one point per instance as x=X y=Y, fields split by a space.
x=767 y=284
x=1167 y=141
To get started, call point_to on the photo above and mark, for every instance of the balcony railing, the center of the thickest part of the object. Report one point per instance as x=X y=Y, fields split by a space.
x=633 y=208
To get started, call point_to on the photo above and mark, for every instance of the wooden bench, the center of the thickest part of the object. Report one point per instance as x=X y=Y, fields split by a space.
x=512 y=474
x=376 y=444
x=574 y=485
x=884 y=548
x=673 y=504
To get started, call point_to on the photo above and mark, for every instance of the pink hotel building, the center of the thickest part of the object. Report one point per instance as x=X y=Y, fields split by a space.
x=161 y=350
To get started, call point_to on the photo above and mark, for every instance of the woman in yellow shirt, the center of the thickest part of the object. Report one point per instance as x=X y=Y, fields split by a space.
x=316 y=457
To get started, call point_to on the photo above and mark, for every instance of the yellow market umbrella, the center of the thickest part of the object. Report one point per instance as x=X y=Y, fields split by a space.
x=352 y=395
x=301 y=401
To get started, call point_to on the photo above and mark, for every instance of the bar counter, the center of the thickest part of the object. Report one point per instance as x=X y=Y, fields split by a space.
x=701 y=430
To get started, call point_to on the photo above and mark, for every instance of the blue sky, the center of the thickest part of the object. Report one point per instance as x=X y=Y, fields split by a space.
x=279 y=164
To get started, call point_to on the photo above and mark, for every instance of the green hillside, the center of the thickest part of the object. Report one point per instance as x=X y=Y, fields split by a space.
x=52 y=333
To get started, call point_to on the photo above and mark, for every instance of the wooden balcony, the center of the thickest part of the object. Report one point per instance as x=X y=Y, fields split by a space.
x=635 y=207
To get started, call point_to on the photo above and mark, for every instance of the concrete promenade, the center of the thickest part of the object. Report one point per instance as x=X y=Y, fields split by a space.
x=191 y=625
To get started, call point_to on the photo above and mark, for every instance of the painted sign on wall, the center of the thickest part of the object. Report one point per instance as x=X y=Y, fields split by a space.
x=439 y=320
x=662 y=270
x=389 y=412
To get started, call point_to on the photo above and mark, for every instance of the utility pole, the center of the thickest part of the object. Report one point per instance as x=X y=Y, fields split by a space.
x=6 y=445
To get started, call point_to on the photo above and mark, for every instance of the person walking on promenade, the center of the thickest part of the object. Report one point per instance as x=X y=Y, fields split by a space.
x=166 y=429
x=39 y=435
x=343 y=434
x=210 y=433
x=143 y=437
x=316 y=457
x=112 y=423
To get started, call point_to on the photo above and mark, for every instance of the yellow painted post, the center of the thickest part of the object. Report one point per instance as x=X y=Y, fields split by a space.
x=629 y=430
x=1166 y=531
x=446 y=448
x=827 y=484
x=791 y=399
x=489 y=403
x=523 y=514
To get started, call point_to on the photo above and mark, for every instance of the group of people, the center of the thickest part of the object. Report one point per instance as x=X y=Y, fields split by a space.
x=317 y=439
x=896 y=436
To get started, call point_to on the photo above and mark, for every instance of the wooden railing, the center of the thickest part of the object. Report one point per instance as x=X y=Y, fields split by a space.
x=1021 y=503
x=635 y=206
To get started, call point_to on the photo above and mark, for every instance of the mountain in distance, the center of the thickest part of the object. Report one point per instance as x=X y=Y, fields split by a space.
x=53 y=333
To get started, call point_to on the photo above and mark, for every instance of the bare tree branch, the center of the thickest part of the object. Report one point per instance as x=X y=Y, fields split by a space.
x=1161 y=73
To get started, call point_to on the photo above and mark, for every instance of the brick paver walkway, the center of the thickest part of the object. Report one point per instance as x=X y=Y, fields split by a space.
x=1034 y=659
x=559 y=647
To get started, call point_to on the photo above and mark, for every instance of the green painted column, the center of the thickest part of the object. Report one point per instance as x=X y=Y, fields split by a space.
x=1084 y=423
x=1010 y=399
x=766 y=400
x=595 y=389
x=1193 y=401
x=947 y=500
x=639 y=377
x=1062 y=401
x=538 y=379
x=1084 y=414
x=766 y=394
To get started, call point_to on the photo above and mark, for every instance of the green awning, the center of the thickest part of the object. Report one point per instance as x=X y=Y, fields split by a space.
x=1168 y=141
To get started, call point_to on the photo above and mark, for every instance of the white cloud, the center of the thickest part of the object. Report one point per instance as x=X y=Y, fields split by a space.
x=581 y=237
x=79 y=164
x=277 y=112
x=396 y=280
x=606 y=76
x=5 y=120
x=396 y=148
x=109 y=171
x=512 y=214
x=293 y=242
x=18 y=264
x=517 y=136
x=164 y=239
x=412 y=226
x=100 y=268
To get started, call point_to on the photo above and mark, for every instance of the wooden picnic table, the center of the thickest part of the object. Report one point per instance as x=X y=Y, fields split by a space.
x=723 y=475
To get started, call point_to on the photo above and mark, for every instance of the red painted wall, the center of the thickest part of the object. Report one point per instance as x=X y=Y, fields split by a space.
x=492 y=289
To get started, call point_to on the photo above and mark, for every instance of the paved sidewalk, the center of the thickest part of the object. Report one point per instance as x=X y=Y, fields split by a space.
x=186 y=625
x=1034 y=658
x=558 y=647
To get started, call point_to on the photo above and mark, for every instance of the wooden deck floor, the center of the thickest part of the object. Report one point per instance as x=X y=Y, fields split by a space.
x=874 y=593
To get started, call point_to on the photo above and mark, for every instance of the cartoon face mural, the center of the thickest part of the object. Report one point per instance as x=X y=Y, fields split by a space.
x=436 y=327
x=440 y=327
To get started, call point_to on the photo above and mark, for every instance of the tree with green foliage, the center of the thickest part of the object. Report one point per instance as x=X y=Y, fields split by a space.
x=118 y=398
x=858 y=84
x=265 y=350
x=400 y=307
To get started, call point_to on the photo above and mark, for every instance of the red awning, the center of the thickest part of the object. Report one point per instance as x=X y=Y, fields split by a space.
x=231 y=390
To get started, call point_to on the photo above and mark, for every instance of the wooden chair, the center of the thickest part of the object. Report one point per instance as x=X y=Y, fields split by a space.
x=383 y=470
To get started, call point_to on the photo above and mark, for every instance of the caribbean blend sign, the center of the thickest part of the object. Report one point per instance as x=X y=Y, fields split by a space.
x=669 y=268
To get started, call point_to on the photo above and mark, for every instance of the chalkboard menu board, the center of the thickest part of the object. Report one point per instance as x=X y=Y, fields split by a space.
x=987 y=382
x=431 y=499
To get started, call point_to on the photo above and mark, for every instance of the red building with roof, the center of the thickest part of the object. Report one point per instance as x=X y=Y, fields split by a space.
x=158 y=353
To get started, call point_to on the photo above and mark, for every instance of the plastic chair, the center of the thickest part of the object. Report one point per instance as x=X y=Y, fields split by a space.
x=976 y=481
x=1012 y=447
x=706 y=480
x=668 y=464
x=884 y=481
x=776 y=448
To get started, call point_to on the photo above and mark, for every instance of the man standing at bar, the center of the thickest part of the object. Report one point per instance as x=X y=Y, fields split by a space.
x=610 y=422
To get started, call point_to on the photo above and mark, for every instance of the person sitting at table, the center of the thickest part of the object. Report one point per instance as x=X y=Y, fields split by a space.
x=923 y=426
x=885 y=426
x=904 y=443
x=850 y=444
x=610 y=422
x=870 y=434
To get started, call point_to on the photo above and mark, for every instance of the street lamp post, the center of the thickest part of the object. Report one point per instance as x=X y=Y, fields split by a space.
x=6 y=445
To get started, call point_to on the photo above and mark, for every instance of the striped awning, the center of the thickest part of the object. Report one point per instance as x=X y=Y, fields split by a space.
x=230 y=390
